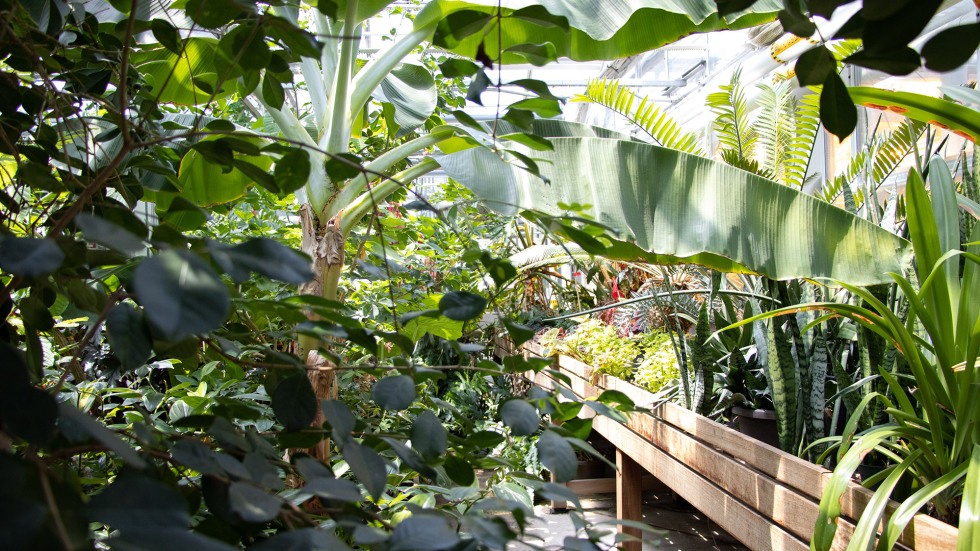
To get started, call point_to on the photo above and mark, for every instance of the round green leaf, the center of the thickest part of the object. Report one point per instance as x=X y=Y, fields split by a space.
x=394 y=393
x=459 y=470
x=338 y=489
x=292 y=171
x=339 y=416
x=423 y=532
x=29 y=257
x=429 y=436
x=294 y=402
x=134 y=502
x=557 y=455
x=180 y=294
x=952 y=47
x=253 y=504
x=520 y=416
x=461 y=305
x=837 y=109
x=128 y=337
x=367 y=466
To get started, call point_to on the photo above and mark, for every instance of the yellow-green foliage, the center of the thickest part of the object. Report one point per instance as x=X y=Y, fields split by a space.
x=659 y=365
x=647 y=359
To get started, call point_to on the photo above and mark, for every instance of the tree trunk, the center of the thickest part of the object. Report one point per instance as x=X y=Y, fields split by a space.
x=325 y=245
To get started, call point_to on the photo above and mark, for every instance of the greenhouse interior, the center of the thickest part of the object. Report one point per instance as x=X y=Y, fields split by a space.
x=489 y=274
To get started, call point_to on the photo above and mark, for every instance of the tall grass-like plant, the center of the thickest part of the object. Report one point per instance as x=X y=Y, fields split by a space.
x=931 y=436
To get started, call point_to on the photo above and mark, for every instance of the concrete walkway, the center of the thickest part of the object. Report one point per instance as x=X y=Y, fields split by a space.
x=679 y=527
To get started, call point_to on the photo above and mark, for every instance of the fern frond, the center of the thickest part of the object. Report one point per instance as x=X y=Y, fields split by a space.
x=800 y=148
x=776 y=127
x=731 y=122
x=894 y=148
x=650 y=118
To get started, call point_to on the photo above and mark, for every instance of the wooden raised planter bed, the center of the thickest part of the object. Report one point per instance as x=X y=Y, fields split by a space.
x=766 y=498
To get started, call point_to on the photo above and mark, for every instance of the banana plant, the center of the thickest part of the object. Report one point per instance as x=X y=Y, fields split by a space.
x=263 y=56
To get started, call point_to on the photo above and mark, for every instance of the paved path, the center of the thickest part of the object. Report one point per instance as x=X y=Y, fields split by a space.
x=679 y=526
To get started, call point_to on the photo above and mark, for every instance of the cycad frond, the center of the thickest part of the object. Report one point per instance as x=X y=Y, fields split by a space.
x=537 y=256
x=731 y=122
x=730 y=156
x=841 y=184
x=663 y=129
x=776 y=126
x=800 y=148
x=894 y=148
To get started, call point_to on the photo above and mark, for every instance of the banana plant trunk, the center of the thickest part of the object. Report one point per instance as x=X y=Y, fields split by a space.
x=324 y=243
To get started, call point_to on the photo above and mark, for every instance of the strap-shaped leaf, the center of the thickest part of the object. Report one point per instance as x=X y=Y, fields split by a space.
x=672 y=207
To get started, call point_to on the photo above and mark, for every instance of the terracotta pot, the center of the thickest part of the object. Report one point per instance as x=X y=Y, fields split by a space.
x=757 y=423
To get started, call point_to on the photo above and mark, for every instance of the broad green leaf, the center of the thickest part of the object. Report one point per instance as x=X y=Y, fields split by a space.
x=520 y=416
x=29 y=413
x=959 y=119
x=173 y=77
x=180 y=294
x=266 y=257
x=969 y=525
x=429 y=436
x=304 y=539
x=337 y=489
x=557 y=455
x=814 y=65
x=294 y=402
x=394 y=393
x=206 y=183
x=518 y=333
x=130 y=341
x=429 y=321
x=166 y=34
x=460 y=470
x=79 y=427
x=340 y=418
x=461 y=305
x=109 y=234
x=671 y=207
x=423 y=532
x=29 y=256
x=367 y=466
x=611 y=29
x=133 y=502
x=837 y=111
x=455 y=67
x=211 y=14
x=292 y=171
x=252 y=503
x=412 y=90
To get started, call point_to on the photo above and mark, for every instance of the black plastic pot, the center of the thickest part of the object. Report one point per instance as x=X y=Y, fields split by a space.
x=757 y=423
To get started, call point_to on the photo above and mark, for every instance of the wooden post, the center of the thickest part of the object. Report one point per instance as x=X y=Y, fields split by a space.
x=629 y=497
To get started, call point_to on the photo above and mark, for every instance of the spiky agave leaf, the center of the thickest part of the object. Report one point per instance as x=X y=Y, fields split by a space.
x=650 y=118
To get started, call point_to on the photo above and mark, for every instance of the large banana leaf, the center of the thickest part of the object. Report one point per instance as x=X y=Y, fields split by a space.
x=597 y=29
x=673 y=207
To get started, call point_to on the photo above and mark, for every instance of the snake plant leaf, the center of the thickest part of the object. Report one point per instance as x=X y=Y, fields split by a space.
x=672 y=207
x=610 y=29
x=958 y=119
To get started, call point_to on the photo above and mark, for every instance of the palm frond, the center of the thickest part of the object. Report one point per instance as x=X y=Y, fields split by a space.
x=663 y=129
x=776 y=126
x=731 y=122
x=800 y=148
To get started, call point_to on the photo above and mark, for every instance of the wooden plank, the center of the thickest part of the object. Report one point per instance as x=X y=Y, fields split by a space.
x=751 y=528
x=923 y=533
x=629 y=498
x=590 y=486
